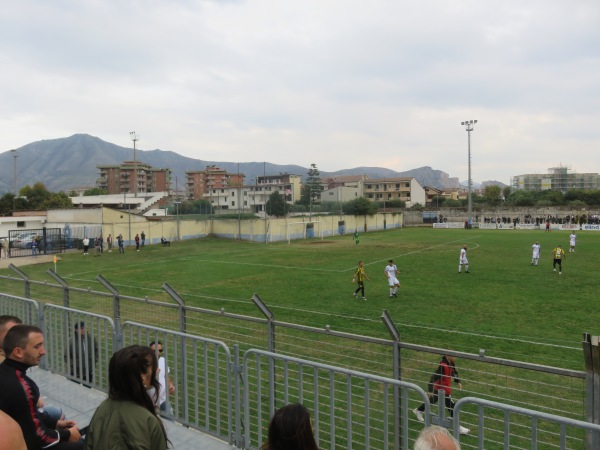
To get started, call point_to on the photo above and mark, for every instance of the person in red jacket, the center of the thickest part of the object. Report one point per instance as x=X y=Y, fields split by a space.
x=442 y=379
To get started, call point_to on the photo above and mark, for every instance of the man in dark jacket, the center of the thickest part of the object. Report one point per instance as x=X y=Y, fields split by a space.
x=24 y=348
x=82 y=354
x=442 y=380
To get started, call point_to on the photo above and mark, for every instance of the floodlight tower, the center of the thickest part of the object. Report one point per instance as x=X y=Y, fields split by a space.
x=134 y=138
x=15 y=156
x=469 y=124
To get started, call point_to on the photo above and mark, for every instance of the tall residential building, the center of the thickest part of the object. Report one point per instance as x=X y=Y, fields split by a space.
x=559 y=179
x=121 y=178
x=200 y=183
x=406 y=189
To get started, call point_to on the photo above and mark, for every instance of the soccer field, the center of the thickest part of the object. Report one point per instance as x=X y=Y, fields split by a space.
x=504 y=305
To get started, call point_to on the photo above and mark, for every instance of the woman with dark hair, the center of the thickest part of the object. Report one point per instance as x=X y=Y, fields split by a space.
x=127 y=418
x=291 y=429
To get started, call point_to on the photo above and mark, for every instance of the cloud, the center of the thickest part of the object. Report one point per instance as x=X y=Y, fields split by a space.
x=338 y=83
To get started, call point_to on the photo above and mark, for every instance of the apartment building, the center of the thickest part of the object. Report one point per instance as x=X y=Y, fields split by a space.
x=202 y=183
x=406 y=189
x=253 y=197
x=133 y=176
x=559 y=179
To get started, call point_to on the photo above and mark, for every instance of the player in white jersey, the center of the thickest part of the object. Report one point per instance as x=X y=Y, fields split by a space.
x=572 y=242
x=463 y=260
x=390 y=272
x=535 y=255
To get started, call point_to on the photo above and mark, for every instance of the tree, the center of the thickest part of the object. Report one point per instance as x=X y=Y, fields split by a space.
x=36 y=195
x=506 y=191
x=7 y=203
x=417 y=207
x=521 y=198
x=360 y=207
x=276 y=205
x=57 y=200
x=492 y=194
x=311 y=189
x=395 y=203
x=95 y=191
x=200 y=206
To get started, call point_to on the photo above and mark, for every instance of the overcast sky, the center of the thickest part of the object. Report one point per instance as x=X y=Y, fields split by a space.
x=339 y=83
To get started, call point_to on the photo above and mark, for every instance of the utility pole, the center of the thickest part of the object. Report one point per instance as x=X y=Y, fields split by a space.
x=134 y=138
x=468 y=124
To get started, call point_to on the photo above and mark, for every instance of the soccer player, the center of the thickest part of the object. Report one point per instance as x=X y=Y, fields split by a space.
x=463 y=261
x=572 y=242
x=359 y=276
x=390 y=272
x=356 y=237
x=535 y=257
x=558 y=254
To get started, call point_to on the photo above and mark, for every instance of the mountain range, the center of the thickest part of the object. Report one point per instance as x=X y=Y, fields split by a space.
x=68 y=163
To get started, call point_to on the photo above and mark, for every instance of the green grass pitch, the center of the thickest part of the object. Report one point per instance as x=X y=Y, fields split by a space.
x=504 y=304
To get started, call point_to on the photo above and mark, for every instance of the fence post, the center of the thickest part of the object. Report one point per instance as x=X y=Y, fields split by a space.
x=116 y=310
x=591 y=356
x=182 y=328
x=182 y=311
x=64 y=285
x=239 y=399
x=397 y=374
x=264 y=309
x=270 y=344
x=27 y=284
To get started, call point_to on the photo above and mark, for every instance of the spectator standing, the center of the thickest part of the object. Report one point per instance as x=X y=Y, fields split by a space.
x=24 y=347
x=137 y=242
x=143 y=236
x=164 y=379
x=109 y=242
x=101 y=241
x=442 y=380
x=359 y=276
x=97 y=246
x=127 y=418
x=34 y=248
x=82 y=354
x=291 y=429
x=535 y=253
x=86 y=245
x=120 y=242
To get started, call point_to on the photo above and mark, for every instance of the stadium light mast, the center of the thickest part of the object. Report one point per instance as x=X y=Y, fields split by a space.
x=469 y=124
x=15 y=156
x=134 y=138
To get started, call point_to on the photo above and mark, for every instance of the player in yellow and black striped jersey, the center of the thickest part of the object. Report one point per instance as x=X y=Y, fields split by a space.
x=359 y=276
x=558 y=254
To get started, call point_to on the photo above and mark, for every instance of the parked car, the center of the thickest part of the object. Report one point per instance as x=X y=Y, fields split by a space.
x=25 y=240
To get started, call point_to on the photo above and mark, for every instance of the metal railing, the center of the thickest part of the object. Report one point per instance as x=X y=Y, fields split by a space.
x=542 y=430
x=552 y=390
